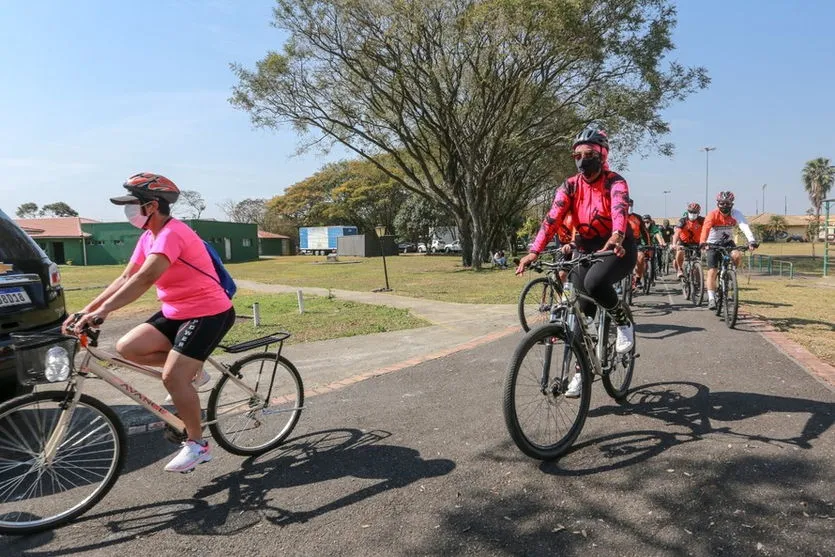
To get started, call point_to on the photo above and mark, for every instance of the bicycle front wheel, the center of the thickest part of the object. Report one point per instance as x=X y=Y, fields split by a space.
x=731 y=299
x=697 y=291
x=618 y=368
x=254 y=412
x=535 y=303
x=541 y=419
x=40 y=493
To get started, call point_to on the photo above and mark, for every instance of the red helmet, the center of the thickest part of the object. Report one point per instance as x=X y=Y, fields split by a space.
x=694 y=207
x=147 y=186
x=725 y=197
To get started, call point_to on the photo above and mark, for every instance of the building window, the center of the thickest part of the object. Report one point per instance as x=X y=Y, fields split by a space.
x=118 y=242
x=246 y=242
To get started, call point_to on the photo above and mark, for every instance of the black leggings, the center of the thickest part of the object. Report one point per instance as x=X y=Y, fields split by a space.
x=597 y=278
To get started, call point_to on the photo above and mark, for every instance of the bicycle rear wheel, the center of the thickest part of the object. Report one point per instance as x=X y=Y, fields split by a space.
x=36 y=495
x=697 y=291
x=618 y=368
x=541 y=420
x=731 y=299
x=535 y=303
x=253 y=423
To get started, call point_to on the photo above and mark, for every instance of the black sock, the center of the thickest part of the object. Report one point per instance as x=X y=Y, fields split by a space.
x=619 y=315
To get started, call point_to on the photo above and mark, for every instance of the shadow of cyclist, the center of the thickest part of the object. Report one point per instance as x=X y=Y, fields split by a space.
x=305 y=460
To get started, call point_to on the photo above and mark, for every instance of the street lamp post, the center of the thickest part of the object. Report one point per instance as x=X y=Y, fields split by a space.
x=764 y=185
x=707 y=151
x=381 y=231
x=665 y=202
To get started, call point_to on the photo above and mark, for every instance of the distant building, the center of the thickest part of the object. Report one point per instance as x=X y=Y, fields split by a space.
x=80 y=241
x=274 y=244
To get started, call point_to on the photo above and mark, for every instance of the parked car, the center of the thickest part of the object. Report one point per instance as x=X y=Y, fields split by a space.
x=31 y=297
x=795 y=238
x=421 y=247
x=437 y=246
x=407 y=247
x=454 y=247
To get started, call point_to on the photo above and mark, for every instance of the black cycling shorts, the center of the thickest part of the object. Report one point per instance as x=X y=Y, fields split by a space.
x=712 y=256
x=195 y=338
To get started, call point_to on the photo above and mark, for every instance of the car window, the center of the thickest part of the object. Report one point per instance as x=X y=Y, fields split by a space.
x=15 y=244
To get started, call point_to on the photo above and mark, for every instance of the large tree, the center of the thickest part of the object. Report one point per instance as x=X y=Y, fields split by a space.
x=27 y=210
x=248 y=210
x=818 y=177
x=58 y=209
x=472 y=100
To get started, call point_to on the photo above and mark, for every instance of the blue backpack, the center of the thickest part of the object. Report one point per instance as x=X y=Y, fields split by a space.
x=226 y=282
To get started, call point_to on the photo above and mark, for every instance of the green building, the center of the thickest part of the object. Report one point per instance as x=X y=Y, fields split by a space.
x=274 y=244
x=79 y=241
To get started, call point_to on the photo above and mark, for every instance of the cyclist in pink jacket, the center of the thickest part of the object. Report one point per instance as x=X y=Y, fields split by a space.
x=597 y=201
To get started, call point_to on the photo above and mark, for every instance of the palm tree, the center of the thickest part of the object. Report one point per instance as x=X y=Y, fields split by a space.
x=818 y=177
x=776 y=226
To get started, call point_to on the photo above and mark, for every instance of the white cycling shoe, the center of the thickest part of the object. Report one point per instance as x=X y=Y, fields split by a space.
x=198 y=382
x=575 y=387
x=626 y=339
x=190 y=455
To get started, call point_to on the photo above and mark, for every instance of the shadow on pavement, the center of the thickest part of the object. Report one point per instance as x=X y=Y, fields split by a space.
x=249 y=493
x=663 y=330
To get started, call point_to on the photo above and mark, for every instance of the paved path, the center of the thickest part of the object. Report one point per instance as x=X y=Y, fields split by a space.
x=725 y=447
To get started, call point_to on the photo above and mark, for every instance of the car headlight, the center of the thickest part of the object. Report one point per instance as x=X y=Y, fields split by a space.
x=57 y=364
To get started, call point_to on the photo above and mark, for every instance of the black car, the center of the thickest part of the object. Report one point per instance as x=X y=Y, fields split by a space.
x=31 y=297
x=407 y=247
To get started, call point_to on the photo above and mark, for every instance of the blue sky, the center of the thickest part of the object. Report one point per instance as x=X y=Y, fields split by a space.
x=96 y=90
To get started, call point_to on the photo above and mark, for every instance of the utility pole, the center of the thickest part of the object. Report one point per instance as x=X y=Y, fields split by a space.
x=665 y=202
x=764 y=185
x=785 y=204
x=707 y=151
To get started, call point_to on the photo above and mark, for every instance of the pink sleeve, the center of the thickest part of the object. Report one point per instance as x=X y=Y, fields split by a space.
x=553 y=220
x=138 y=257
x=620 y=206
x=168 y=243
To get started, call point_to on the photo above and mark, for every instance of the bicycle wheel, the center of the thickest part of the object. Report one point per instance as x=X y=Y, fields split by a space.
x=617 y=368
x=541 y=420
x=36 y=495
x=697 y=292
x=251 y=424
x=535 y=303
x=645 y=285
x=719 y=295
x=686 y=285
x=731 y=299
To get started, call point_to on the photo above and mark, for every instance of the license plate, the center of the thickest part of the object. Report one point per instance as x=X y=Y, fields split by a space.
x=13 y=297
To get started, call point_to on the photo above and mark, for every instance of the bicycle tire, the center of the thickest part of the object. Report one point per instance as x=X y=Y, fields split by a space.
x=617 y=384
x=719 y=295
x=535 y=302
x=290 y=394
x=645 y=285
x=524 y=377
x=731 y=299
x=697 y=292
x=89 y=412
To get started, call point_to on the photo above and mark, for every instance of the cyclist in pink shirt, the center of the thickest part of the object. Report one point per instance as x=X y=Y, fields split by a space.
x=196 y=312
x=597 y=201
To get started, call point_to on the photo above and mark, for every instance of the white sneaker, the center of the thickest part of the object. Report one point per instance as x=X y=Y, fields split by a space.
x=711 y=303
x=626 y=339
x=198 y=382
x=190 y=455
x=575 y=387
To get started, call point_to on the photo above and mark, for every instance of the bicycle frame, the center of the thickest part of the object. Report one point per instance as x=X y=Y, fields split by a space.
x=93 y=364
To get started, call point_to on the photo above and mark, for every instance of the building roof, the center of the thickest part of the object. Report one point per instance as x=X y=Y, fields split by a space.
x=55 y=227
x=266 y=235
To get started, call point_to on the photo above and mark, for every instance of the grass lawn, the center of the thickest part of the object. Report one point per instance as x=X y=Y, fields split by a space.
x=804 y=309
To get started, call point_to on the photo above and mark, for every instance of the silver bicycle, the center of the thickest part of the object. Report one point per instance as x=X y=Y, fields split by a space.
x=62 y=450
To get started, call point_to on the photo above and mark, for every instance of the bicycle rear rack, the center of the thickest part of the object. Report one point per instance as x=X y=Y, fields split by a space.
x=265 y=341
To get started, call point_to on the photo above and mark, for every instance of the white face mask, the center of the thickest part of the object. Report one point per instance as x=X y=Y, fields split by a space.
x=135 y=216
x=692 y=216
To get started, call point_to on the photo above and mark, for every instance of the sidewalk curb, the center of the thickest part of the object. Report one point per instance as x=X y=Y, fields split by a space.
x=810 y=363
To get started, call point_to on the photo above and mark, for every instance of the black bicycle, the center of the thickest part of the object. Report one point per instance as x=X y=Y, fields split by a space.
x=541 y=415
x=538 y=295
x=651 y=269
x=727 y=291
x=692 y=282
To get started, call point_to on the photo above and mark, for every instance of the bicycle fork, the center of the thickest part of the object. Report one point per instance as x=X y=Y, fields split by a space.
x=56 y=438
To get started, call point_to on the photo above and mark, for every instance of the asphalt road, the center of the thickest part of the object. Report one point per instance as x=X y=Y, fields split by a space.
x=724 y=448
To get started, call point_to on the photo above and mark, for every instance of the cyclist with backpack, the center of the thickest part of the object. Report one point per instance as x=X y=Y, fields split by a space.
x=196 y=307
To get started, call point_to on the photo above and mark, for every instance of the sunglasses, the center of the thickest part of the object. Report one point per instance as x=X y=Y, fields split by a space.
x=585 y=155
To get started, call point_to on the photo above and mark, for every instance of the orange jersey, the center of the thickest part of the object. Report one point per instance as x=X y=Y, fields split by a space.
x=719 y=227
x=689 y=231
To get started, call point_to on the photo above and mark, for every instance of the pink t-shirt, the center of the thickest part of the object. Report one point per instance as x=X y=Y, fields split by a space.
x=185 y=292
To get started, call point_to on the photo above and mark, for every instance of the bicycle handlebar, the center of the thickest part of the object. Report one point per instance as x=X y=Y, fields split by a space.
x=563 y=265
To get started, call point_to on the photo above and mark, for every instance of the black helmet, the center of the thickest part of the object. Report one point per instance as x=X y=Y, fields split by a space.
x=592 y=135
x=647 y=217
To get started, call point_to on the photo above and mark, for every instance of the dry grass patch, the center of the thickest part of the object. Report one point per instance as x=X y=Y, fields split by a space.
x=804 y=309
